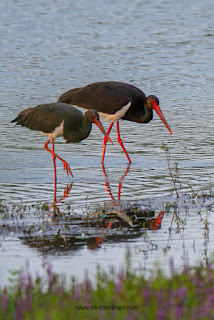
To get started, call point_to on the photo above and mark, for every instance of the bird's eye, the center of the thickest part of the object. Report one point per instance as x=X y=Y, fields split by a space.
x=153 y=102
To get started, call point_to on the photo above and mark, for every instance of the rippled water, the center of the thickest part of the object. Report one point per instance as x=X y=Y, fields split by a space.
x=163 y=47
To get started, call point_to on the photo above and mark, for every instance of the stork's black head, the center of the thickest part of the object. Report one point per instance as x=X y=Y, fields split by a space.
x=152 y=101
x=92 y=115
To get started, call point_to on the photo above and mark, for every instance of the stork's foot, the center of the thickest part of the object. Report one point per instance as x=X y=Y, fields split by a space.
x=67 y=168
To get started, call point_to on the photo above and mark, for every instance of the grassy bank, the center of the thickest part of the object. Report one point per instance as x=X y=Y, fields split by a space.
x=116 y=295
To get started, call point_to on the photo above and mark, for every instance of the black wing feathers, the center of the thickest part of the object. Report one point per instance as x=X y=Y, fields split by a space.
x=106 y=97
x=47 y=117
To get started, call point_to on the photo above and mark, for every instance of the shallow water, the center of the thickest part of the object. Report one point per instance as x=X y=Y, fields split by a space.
x=163 y=47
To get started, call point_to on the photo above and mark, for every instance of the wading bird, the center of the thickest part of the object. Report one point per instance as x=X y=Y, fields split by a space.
x=114 y=101
x=60 y=120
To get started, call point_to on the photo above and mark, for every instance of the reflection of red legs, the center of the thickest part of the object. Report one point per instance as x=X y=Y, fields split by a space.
x=99 y=240
x=121 y=182
x=54 y=193
x=121 y=142
x=105 y=141
x=158 y=220
x=107 y=186
x=54 y=155
x=66 y=193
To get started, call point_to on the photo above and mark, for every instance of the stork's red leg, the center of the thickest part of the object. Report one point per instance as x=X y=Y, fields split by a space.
x=54 y=161
x=105 y=141
x=65 y=164
x=121 y=142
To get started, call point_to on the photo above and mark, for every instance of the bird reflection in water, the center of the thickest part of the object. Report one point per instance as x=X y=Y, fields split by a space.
x=128 y=218
x=158 y=220
x=120 y=184
x=114 y=202
x=144 y=218
x=56 y=202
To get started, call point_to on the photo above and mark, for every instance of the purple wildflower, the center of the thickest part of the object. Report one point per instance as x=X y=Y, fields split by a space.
x=88 y=298
x=101 y=314
x=194 y=313
x=171 y=265
x=77 y=292
x=49 y=273
x=132 y=316
x=181 y=293
x=185 y=269
x=205 y=312
x=161 y=315
x=26 y=282
x=87 y=284
x=28 y=302
x=19 y=309
x=207 y=309
x=147 y=294
x=210 y=272
x=211 y=299
x=4 y=302
x=159 y=296
x=118 y=284
x=178 y=312
x=199 y=283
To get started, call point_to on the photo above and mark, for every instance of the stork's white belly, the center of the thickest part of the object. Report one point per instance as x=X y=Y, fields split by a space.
x=58 y=132
x=115 y=116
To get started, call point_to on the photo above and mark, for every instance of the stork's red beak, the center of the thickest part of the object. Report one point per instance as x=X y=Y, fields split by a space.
x=159 y=112
x=100 y=126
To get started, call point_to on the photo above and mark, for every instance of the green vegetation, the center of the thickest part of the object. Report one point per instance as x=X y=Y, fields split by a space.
x=114 y=295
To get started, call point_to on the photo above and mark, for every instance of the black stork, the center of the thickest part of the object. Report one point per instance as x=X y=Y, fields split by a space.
x=60 y=120
x=114 y=101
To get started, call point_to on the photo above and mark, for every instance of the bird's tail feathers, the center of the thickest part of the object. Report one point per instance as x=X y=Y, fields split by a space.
x=20 y=116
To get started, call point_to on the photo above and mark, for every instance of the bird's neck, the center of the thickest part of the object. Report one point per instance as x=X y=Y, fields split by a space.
x=86 y=128
x=148 y=115
x=78 y=131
